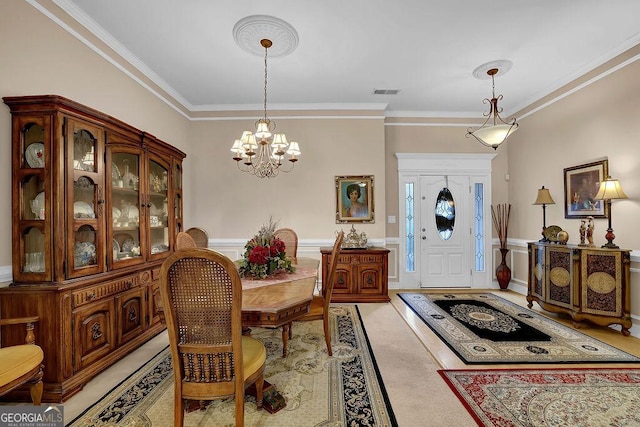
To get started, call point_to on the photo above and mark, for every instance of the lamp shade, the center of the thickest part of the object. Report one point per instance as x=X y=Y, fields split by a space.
x=495 y=135
x=544 y=197
x=610 y=189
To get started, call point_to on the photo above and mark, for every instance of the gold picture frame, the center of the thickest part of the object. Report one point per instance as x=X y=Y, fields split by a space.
x=359 y=209
x=581 y=184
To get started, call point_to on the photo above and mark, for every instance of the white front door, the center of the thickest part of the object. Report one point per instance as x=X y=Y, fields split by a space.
x=444 y=234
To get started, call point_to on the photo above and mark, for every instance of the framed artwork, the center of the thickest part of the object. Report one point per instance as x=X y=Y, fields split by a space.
x=354 y=199
x=581 y=184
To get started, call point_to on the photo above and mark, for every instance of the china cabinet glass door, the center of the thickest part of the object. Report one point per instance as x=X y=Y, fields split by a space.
x=158 y=206
x=86 y=199
x=32 y=255
x=127 y=215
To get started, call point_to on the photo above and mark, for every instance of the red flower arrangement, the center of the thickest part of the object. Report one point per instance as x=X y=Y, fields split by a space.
x=264 y=254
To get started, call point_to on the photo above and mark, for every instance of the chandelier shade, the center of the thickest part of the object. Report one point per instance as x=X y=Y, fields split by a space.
x=494 y=131
x=261 y=152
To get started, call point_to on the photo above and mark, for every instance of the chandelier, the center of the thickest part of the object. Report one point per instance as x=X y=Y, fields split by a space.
x=494 y=131
x=261 y=153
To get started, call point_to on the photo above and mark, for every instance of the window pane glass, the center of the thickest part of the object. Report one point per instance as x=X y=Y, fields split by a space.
x=479 y=225
x=445 y=212
x=410 y=230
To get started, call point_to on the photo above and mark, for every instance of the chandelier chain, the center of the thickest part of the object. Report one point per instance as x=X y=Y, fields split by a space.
x=266 y=49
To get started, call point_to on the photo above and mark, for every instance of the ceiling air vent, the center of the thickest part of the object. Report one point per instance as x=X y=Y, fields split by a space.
x=385 y=91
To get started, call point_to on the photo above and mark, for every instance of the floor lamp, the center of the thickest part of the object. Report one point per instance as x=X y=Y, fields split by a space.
x=610 y=189
x=544 y=199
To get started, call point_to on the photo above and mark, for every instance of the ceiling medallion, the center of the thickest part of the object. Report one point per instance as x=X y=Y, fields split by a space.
x=250 y=30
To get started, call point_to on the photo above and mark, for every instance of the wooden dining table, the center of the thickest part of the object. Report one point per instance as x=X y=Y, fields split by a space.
x=276 y=302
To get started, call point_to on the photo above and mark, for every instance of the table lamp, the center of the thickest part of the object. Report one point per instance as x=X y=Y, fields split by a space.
x=610 y=189
x=544 y=199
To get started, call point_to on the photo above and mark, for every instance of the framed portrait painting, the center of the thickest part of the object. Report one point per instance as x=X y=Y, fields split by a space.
x=354 y=199
x=581 y=184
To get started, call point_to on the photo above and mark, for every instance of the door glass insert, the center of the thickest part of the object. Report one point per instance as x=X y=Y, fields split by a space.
x=479 y=225
x=33 y=137
x=410 y=227
x=33 y=201
x=126 y=212
x=85 y=247
x=158 y=207
x=445 y=213
x=84 y=151
x=33 y=241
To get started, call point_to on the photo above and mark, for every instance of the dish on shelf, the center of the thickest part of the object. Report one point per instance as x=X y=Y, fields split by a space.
x=83 y=210
x=551 y=233
x=160 y=247
x=153 y=210
x=116 y=246
x=40 y=199
x=115 y=214
x=34 y=155
x=84 y=254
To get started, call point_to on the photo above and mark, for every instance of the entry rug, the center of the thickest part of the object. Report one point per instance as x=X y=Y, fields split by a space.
x=343 y=390
x=482 y=328
x=549 y=397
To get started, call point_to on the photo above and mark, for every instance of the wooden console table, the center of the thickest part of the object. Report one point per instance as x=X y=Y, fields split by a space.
x=361 y=275
x=587 y=283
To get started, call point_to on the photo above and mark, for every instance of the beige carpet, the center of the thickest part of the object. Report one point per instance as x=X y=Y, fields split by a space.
x=419 y=396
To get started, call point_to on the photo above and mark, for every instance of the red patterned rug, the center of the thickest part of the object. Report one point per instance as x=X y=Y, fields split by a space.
x=549 y=397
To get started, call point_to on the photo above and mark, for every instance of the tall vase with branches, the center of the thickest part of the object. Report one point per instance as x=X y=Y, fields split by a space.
x=500 y=215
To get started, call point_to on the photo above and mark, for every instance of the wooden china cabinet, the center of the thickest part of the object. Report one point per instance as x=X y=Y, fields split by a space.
x=96 y=204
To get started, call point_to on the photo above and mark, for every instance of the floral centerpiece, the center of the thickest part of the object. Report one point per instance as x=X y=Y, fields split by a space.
x=264 y=255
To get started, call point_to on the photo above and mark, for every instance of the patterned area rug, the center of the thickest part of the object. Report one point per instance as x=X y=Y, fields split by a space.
x=549 y=397
x=482 y=328
x=343 y=390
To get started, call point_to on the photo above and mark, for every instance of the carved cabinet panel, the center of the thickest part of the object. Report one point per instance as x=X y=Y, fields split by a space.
x=94 y=333
x=361 y=275
x=131 y=311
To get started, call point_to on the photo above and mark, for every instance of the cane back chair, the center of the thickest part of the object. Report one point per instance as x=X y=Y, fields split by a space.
x=202 y=299
x=290 y=239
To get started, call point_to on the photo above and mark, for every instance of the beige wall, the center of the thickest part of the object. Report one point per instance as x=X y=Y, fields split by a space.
x=599 y=120
x=231 y=204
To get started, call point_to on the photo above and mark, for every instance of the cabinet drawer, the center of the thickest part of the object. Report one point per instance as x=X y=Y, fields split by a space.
x=103 y=290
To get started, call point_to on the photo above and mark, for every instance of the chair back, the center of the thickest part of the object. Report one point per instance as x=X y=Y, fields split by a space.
x=290 y=239
x=327 y=288
x=199 y=236
x=184 y=241
x=202 y=299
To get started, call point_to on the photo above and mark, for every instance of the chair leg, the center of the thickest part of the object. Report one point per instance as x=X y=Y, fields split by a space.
x=240 y=408
x=259 y=387
x=290 y=329
x=178 y=416
x=327 y=334
x=36 y=387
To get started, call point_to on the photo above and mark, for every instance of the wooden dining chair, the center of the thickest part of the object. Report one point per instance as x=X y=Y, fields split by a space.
x=199 y=236
x=185 y=241
x=202 y=298
x=290 y=239
x=320 y=304
x=22 y=364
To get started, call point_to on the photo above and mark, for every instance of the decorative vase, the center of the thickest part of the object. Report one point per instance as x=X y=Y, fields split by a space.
x=503 y=272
